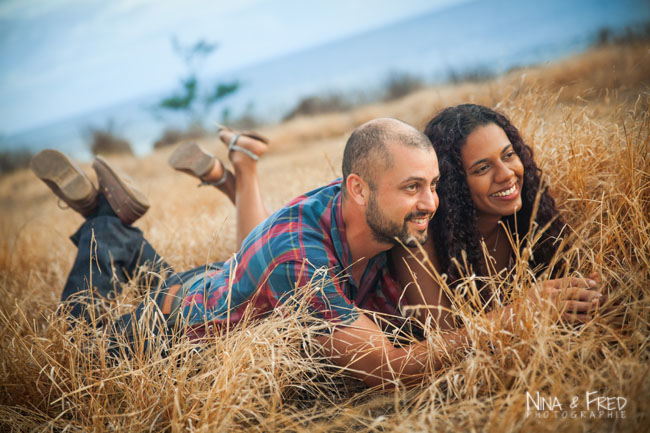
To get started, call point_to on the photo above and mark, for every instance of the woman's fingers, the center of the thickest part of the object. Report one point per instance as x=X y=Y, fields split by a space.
x=582 y=283
x=575 y=318
x=577 y=307
x=576 y=299
x=595 y=276
x=576 y=304
x=581 y=295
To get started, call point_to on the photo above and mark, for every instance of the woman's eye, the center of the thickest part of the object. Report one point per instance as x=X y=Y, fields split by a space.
x=508 y=155
x=481 y=169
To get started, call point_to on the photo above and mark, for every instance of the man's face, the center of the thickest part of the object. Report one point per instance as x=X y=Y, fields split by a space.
x=404 y=198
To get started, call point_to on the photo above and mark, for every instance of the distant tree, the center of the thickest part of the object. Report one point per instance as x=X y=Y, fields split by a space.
x=190 y=99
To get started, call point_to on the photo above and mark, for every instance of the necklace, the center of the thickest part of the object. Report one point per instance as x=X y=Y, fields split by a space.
x=496 y=242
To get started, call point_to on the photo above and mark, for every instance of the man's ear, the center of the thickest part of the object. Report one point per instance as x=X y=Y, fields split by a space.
x=358 y=189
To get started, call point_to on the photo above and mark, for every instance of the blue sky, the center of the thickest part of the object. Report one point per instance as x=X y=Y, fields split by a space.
x=60 y=58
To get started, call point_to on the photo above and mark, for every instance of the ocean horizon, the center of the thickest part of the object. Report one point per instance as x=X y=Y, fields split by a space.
x=490 y=37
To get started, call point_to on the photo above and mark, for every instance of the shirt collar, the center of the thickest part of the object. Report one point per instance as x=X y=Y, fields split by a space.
x=340 y=241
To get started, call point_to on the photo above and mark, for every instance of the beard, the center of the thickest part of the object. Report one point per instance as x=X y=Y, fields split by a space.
x=386 y=231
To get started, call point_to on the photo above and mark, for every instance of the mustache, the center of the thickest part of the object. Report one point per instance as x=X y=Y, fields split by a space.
x=419 y=214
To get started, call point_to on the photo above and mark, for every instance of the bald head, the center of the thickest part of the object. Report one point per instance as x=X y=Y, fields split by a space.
x=366 y=152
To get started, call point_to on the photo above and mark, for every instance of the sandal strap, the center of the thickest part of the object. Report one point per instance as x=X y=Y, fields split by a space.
x=233 y=147
x=219 y=182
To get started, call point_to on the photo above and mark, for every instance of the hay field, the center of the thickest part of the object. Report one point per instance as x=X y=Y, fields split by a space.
x=587 y=121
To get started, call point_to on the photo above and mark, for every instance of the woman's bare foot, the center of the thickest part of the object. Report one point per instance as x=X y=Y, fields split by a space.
x=252 y=143
x=215 y=174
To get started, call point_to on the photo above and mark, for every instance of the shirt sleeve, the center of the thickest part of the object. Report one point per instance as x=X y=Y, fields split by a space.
x=319 y=289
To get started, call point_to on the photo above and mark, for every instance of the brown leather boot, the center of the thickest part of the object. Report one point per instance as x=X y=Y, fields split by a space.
x=66 y=180
x=120 y=191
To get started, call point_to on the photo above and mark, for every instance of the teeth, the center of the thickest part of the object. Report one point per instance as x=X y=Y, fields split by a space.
x=509 y=191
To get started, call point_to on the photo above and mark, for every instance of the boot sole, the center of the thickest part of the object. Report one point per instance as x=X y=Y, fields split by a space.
x=65 y=179
x=126 y=201
x=191 y=159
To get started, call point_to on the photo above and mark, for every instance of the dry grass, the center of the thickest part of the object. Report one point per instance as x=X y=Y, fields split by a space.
x=587 y=120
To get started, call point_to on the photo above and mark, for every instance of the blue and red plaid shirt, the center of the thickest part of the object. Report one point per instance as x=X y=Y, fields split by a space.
x=302 y=243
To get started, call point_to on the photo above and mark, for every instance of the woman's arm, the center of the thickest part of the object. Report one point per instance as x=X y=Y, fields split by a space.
x=426 y=297
x=574 y=298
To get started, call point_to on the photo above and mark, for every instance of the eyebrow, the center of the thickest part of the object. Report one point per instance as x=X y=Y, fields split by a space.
x=411 y=179
x=418 y=179
x=480 y=161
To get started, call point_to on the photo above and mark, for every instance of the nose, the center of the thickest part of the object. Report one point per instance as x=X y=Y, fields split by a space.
x=428 y=201
x=503 y=173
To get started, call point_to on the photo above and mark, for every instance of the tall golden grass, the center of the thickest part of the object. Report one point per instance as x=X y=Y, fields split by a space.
x=587 y=121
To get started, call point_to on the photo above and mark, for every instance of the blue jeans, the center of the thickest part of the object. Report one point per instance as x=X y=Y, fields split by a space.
x=111 y=253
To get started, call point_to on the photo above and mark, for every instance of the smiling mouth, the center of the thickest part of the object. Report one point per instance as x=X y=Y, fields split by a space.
x=420 y=220
x=506 y=192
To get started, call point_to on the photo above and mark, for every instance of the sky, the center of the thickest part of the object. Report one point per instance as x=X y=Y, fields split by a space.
x=60 y=58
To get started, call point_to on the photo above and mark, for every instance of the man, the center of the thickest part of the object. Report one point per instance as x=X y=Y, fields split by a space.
x=334 y=237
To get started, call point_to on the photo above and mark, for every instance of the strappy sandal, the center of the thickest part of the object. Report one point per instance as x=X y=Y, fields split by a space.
x=233 y=146
x=191 y=159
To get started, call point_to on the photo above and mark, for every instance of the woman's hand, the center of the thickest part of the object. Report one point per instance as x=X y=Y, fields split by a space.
x=576 y=299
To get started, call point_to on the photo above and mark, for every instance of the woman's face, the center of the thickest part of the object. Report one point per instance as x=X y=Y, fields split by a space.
x=494 y=171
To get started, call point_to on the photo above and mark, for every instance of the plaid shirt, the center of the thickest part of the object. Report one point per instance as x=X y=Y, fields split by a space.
x=302 y=243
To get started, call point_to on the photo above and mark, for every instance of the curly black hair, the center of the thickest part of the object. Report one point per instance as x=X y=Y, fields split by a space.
x=454 y=227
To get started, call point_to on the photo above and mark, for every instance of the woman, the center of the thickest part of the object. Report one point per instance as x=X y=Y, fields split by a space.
x=488 y=190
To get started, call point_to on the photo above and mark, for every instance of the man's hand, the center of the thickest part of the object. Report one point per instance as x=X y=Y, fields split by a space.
x=575 y=298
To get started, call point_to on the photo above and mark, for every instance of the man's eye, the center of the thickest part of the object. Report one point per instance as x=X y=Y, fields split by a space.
x=412 y=187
